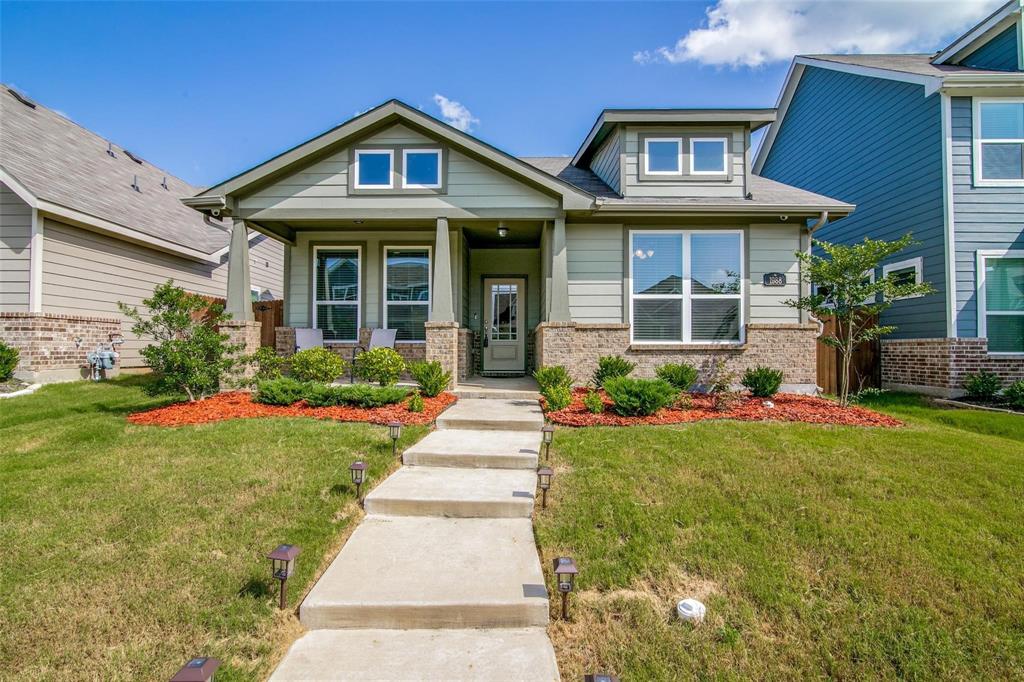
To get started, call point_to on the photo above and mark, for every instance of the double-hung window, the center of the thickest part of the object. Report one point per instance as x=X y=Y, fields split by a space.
x=336 y=292
x=687 y=286
x=374 y=168
x=407 y=288
x=999 y=142
x=1001 y=300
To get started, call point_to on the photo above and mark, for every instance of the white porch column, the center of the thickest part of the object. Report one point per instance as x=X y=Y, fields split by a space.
x=442 y=307
x=559 y=274
x=239 y=298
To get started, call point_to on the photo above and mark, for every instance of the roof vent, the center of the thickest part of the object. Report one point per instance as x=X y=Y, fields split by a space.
x=163 y=183
x=21 y=98
x=135 y=183
x=132 y=156
x=110 y=151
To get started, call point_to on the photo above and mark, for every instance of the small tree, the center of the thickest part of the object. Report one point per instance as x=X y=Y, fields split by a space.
x=189 y=355
x=845 y=290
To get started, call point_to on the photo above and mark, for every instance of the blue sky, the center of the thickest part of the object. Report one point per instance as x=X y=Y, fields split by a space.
x=206 y=90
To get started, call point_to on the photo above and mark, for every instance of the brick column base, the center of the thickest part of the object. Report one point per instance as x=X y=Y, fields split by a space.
x=247 y=334
x=465 y=353
x=53 y=347
x=284 y=341
x=443 y=346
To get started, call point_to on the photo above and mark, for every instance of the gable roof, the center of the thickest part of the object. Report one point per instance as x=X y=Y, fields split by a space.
x=980 y=33
x=66 y=170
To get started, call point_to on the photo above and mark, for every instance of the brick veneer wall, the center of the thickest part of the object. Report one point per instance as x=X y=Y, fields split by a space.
x=284 y=343
x=577 y=346
x=939 y=366
x=244 y=333
x=47 y=344
x=466 y=343
x=443 y=346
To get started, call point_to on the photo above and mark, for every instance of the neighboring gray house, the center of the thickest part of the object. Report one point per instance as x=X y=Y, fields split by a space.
x=931 y=144
x=84 y=224
x=654 y=242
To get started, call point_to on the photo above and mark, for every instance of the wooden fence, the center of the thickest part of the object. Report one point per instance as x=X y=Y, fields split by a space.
x=865 y=366
x=269 y=314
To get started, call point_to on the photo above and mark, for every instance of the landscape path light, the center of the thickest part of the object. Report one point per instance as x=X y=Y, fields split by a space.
x=197 y=670
x=544 y=475
x=548 y=433
x=282 y=565
x=358 y=472
x=599 y=677
x=395 y=431
x=565 y=578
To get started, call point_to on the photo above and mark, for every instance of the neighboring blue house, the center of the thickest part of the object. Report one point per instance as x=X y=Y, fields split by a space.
x=934 y=145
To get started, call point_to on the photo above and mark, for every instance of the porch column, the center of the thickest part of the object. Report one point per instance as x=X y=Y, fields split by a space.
x=559 y=274
x=239 y=298
x=442 y=308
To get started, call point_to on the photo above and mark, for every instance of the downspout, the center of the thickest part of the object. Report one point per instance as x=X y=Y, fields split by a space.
x=822 y=219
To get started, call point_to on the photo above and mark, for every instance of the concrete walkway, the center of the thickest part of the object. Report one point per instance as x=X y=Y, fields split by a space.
x=441 y=580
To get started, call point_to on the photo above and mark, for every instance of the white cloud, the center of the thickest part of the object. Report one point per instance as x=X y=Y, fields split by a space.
x=455 y=114
x=756 y=32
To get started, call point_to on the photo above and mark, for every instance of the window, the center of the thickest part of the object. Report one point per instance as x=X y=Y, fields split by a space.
x=422 y=168
x=504 y=312
x=906 y=272
x=708 y=156
x=663 y=156
x=687 y=286
x=373 y=168
x=336 y=293
x=999 y=142
x=1001 y=300
x=407 y=284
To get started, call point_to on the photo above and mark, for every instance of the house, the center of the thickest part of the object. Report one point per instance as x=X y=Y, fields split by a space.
x=929 y=144
x=654 y=242
x=85 y=223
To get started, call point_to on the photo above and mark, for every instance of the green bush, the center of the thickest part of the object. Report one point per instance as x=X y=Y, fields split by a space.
x=1014 y=394
x=762 y=382
x=553 y=375
x=8 y=361
x=416 y=402
x=609 y=367
x=317 y=364
x=284 y=391
x=322 y=395
x=266 y=364
x=593 y=402
x=981 y=385
x=557 y=397
x=383 y=365
x=431 y=377
x=679 y=375
x=719 y=379
x=639 y=397
x=358 y=395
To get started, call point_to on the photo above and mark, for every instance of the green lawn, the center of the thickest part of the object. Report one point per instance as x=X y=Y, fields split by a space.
x=820 y=552
x=127 y=549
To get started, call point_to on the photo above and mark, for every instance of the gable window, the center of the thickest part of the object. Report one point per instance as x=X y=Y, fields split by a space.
x=663 y=156
x=407 y=287
x=422 y=168
x=909 y=271
x=1001 y=300
x=336 y=293
x=373 y=168
x=687 y=286
x=999 y=142
x=708 y=155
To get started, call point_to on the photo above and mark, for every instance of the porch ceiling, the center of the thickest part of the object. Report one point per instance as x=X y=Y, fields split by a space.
x=479 y=233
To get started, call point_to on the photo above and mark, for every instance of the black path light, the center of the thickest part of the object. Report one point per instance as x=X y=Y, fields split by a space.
x=565 y=577
x=544 y=475
x=358 y=472
x=197 y=670
x=548 y=432
x=600 y=677
x=395 y=431
x=282 y=565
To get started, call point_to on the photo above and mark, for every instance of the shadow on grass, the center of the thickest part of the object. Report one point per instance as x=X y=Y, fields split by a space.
x=255 y=589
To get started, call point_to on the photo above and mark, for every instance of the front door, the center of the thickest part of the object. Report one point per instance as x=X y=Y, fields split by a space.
x=504 y=341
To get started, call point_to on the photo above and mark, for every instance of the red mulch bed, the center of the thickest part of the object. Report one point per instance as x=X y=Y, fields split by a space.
x=789 y=407
x=239 y=405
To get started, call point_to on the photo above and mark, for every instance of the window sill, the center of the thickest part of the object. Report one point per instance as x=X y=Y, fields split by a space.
x=1006 y=356
x=641 y=347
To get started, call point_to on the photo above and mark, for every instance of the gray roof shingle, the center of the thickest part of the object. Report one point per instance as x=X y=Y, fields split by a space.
x=918 y=64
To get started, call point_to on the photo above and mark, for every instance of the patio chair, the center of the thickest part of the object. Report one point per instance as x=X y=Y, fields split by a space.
x=379 y=338
x=308 y=338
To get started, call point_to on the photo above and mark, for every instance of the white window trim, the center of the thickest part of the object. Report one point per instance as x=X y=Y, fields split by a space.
x=679 y=155
x=979 y=180
x=358 y=303
x=725 y=155
x=405 y=165
x=870 y=274
x=430 y=282
x=916 y=263
x=390 y=153
x=981 y=313
x=687 y=296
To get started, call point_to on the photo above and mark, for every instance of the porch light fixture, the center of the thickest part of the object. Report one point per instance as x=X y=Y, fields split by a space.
x=548 y=434
x=395 y=431
x=282 y=565
x=358 y=471
x=600 y=677
x=502 y=231
x=565 y=578
x=544 y=475
x=197 y=670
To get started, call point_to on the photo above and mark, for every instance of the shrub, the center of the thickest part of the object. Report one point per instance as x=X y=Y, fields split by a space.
x=8 y=361
x=317 y=364
x=416 y=402
x=593 y=402
x=1014 y=394
x=284 y=391
x=431 y=377
x=868 y=393
x=718 y=378
x=383 y=365
x=726 y=400
x=981 y=385
x=359 y=395
x=557 y=397
x=684 y=401
x=762 y=382
x=681 y=376
x=609 y=367
x=553 y=375
x=266 y=364
x=639 y=397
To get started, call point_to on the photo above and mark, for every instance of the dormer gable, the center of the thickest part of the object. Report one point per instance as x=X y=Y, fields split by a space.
x=996 y=43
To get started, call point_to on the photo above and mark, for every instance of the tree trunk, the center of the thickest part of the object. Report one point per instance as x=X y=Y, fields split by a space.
x=844 y=377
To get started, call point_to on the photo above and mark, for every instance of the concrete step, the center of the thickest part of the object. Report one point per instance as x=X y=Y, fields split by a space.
x=493 y=415
x=425 y=572
x=468 y=393
x=462 y=493
x=457 y=655
x=476 y=449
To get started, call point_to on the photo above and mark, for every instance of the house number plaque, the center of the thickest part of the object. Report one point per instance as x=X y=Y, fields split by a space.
x=775 y=279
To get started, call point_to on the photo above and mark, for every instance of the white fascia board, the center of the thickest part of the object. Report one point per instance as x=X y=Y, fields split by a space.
x=19 y=189
x=995 y=23
x=948 y=214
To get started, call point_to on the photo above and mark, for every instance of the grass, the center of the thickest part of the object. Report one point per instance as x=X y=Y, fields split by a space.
x=838 y=552
x=129 y=549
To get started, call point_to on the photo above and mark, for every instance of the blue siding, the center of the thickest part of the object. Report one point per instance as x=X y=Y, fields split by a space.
x=875 y=143
x=985 y=218
x=998 y=54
